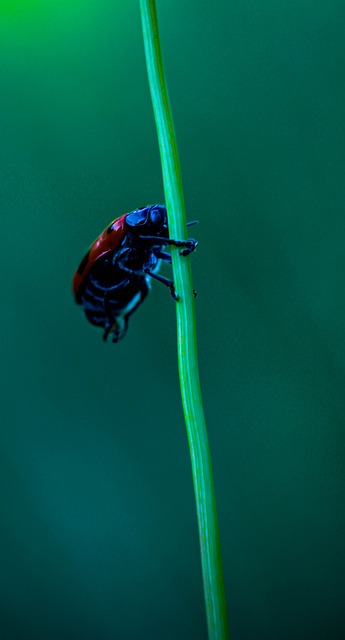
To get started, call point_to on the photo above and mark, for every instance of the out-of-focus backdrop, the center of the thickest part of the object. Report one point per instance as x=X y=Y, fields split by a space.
x=98 y=525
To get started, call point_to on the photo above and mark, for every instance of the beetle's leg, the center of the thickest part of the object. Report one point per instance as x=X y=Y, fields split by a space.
x=106 y=331
x=118 y=331
x=189 y=245
x=144 y=291
x=120 y=258
x=162 y=255
x=114 y=327
x=111 y=320
x=118 y=327
x=132 y=272
x=120 y=261
x=165 y=281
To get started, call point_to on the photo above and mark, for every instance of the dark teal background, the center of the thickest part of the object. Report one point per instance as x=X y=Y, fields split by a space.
x=98 y=532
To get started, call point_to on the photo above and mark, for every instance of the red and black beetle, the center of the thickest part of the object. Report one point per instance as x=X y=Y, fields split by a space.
x=113 y=279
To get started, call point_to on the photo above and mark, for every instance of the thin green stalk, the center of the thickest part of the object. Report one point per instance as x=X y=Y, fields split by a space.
x=186 y=335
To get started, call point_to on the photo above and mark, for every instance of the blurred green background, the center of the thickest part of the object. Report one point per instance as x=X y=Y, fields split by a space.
x=98 y=531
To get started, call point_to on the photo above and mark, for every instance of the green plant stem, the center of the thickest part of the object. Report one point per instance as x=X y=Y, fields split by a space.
x=186 y=335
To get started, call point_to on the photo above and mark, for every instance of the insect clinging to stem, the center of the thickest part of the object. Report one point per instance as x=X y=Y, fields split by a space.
x=113 y=278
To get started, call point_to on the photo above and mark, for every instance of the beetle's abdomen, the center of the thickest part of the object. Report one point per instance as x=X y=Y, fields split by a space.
x=109 y=294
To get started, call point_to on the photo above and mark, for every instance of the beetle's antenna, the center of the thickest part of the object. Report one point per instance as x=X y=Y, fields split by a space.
x=190 y=224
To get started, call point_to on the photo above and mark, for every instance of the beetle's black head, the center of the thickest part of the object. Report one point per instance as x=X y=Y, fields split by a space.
x=150 y=221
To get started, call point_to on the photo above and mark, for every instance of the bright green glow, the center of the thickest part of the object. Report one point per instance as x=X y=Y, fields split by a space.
x=28 y=20
x=49 y=24
x=186 y=334
x=27 y=10
x=25 y=13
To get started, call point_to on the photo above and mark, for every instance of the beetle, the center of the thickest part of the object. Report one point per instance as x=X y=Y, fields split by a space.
x=113 y=278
